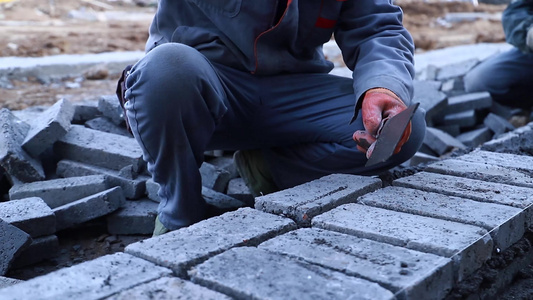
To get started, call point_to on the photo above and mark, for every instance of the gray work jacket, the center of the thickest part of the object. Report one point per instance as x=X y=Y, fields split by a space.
x=253 y=36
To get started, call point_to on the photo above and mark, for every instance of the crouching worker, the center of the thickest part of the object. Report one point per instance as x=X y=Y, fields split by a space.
x=251 y=76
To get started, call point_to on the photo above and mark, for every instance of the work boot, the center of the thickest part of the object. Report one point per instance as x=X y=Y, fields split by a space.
x=159 y=228
x=254 y=171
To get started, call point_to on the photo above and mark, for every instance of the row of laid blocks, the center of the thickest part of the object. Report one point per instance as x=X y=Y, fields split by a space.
x=336 y=236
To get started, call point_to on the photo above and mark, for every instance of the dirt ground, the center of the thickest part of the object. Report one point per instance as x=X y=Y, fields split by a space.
x=32 y=28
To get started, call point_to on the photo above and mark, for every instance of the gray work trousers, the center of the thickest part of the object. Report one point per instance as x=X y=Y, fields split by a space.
x=180 y=105
x=507 y=76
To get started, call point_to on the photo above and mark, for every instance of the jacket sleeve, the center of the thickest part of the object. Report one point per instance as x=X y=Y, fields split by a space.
x=516 y=20
x=377 y=47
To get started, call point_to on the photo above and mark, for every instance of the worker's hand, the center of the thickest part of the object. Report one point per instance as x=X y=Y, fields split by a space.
x=378 y=104
x=529 y=39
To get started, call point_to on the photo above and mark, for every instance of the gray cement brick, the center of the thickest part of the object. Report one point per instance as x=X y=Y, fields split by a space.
x=503 y=111
x=84 y=111
x=99 y=148
x=467 y=245
x=29 y=114
x=31 y=215
x=132 y=188
x=481 y=171
x=301 y=203
x=433 y=101
x=185 y=247
x=214 y=177
x=455 y=70
x=13 y=240
x=453 y=130
x=259 y=274
x=520 y=162
x=57 y=192
x=409 y=274
x=453 y=86
x=89 y=208
x=422 y=158
x=51 y=125
x=95 y=279
x=135 y=217
x=109 y=106
x=219 y=200
x=462 y=119
x=519 y=138
x=475 y=137
x=40 y=249
x=237 y=189
x=16 y=162
x=497 y=124
x=6 y=281
x=504 y=194
x=505 y=224
x=169 y=288
x=225 y=163
x=106 y=125
x=440 y=142
x=469 y=101
x=152 y=188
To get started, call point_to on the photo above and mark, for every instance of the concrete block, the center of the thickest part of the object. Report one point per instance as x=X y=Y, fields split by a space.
x=214 y=178
x=49 y=127
x=407 y=273
x=214 y=198
x=132 y=188
x=99 y=148
x=169 y=288
x=84 y=111
x=41 y=248
x=520 y=138
x=469 y=101
x=475 y=137
x=453 y=86
x=226 y=163
x=13 y=240
x=220 y=200
x=152 y=188
x=497 y=124
x=456 y=70
x=238 y=190
x=31 y=215
x=29 y=114
x=301 y=203
x=57 y=192
x=89 y=208
x=462 y=119
x=430 y=98
x=508 y=160
x=6 y=281
x=505 y=224
x=440 y=142
x=188 y=246
x=453 y=130
x=109 y=106
x=95 y=279
x=479 y=190
x=16 y=162
x=504 y=111
x=422 y=158
x=106 y=125
x=481 y=171
x=134 y=217
x=468 y=246
x=259 y=274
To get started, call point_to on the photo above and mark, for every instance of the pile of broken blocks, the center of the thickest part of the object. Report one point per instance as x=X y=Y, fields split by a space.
x=70 y=163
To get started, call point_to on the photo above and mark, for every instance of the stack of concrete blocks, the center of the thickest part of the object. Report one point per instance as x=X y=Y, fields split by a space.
x=456 y=119
x=68 y=164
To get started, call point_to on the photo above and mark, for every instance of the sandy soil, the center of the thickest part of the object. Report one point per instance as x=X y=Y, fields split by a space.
x=30 y=28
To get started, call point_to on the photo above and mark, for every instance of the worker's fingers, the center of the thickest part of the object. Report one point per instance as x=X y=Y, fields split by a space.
x=363 y=139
